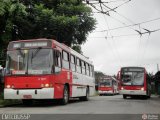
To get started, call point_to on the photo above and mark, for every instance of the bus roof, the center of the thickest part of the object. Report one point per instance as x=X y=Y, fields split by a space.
x=51 y=43
x=138 y=69
x=132 y=67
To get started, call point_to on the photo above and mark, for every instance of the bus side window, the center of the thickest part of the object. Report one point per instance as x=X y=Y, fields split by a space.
x=73 y=66
x=65 y=60
x=57 y=59
x=83 y=67
x=78 y=65
x=87 y=69
x=91 y=71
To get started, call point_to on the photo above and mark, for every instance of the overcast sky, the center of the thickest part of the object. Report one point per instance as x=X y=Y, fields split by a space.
x=109 y=54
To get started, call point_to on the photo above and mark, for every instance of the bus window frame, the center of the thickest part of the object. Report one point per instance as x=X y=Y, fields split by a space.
x=78 y=66
x=57 y=67
x=64 y=61
x=71 y=63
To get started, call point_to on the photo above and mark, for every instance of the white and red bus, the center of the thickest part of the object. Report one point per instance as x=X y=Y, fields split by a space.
x=134 y=81
x=47 y=69
x=108 y=86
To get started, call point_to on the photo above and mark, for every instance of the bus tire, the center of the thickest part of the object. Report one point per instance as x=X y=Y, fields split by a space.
x=124 y=96
x=27 y=102
x=65 y=98
x=85 y=98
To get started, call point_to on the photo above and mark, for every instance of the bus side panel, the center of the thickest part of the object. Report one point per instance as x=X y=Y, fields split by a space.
x=80 y=83
x=64 y=77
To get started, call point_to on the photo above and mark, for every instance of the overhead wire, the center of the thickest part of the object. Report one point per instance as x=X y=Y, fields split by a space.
x=140 y=33
x=126 y=35
x=145 y=49
x=110 y=9
x=100 y=1
x=113 y=9
x=131 y=25
x=109 y=45
x=115 y=48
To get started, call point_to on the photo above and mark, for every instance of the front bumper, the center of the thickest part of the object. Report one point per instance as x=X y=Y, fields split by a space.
x=132 y=92
x=44 y=93
x=105 y=92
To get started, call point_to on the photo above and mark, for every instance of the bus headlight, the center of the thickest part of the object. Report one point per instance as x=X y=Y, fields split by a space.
x=8 y=86
x=12 y=86
x=42 y=85
x=142 y=88
x=122 y=88
x=46 y=85
x=51 y=85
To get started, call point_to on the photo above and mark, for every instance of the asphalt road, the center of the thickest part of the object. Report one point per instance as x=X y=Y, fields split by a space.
x=111 y=107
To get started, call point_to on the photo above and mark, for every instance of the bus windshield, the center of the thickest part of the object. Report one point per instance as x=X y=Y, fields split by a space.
x=106 y=83
x=29 y=61
x=132 y=77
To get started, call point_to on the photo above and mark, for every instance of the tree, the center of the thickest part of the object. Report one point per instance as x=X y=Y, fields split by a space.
x=9 y=10
x=67 y=21
x=98 y=75
x=77 y=48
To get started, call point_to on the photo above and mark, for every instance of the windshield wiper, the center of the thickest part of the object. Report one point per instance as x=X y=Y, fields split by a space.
x=21 y=55
x=19 y=50
x=35 y=53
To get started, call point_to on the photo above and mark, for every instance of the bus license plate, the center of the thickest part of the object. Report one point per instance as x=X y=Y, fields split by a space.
x=27 y=96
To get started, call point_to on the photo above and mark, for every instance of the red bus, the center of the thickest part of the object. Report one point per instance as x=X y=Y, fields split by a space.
x=47 y=69
x=108 y=86
x=134 y=81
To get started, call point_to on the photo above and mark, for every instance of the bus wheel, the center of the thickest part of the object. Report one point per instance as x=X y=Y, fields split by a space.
x=85 y=98
x=27 y=102
x=124 y=96
x=65 y=98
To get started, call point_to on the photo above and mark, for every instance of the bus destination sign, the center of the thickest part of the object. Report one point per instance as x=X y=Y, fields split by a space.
x=133 y=69
x=15 y=45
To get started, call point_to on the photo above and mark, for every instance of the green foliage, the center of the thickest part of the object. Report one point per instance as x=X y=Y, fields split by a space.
x=67 y=21
x=98 y=75
x=77 y=48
